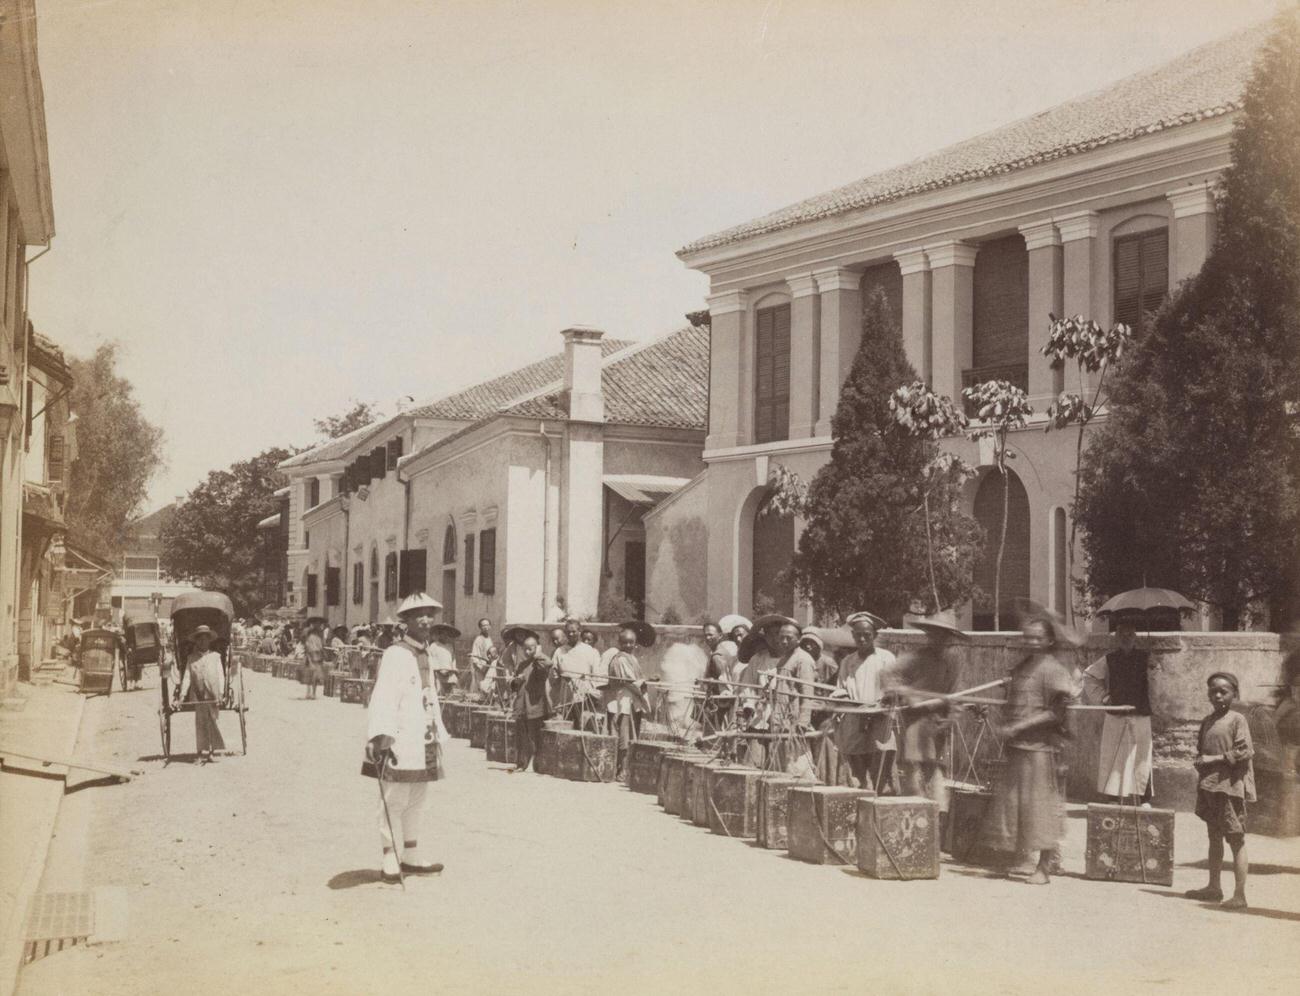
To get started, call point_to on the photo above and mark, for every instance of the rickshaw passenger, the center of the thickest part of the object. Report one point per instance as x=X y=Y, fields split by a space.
x=206 y=679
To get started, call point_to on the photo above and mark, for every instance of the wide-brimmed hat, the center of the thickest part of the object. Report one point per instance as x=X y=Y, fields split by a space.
x=775 y=619
x=810 y=636
x=871 y=617
x=201 y=631
x=944 y=621
x=645 y=632
x=518 y=633
x=446 y=629
x=837 y=638
x=1062 y=632
x=415 y=601
x=729 y=622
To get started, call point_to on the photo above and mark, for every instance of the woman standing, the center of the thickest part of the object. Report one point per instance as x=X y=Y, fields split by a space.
x=204 y=682
x=1120 y=679
x=1027 y=811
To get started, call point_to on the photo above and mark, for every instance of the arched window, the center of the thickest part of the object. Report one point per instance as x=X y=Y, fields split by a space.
x=773 y=551
x=449 y=546
x=1015 y=556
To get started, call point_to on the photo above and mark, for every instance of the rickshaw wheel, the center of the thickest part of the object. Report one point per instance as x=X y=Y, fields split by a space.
x=243 y=727
x=165 y=729
x=121 y=673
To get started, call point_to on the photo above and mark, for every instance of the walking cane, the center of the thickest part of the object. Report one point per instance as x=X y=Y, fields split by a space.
x=383 y=764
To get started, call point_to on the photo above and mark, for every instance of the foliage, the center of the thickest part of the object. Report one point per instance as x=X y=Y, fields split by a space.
x=212 y=539
x=923 y=413
x=118 y=452
x=1000 y=407
x=1194 y=481
x=787 y=493
x=864 y=544
x=361 y=413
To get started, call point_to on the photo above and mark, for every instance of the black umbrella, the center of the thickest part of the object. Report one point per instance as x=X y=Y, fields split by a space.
x=1146 y=600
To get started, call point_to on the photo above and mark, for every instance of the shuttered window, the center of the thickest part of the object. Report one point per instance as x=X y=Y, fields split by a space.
x=311 y=591
x=378 y=462
x=469 y=564
x=394 y=452
x=1141 y=275
x=772 y=374
x=313 y=492
x=390 y=577
x=333 y=585
x=1000 y=320
x=487 y=561
x=54 y=470
x=413 y=572
x=358 y=583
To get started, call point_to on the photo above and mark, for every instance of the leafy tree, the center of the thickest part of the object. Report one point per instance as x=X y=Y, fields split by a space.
x=361 y=413
x=864 y=545
x=212 y=539
x=1194 y=482
x=118 y=452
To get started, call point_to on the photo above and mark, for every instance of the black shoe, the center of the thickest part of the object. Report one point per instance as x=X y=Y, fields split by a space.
x=430 y=869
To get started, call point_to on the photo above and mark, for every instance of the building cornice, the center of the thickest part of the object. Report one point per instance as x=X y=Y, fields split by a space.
x=950 y=253
x=1040 y=235
x=1188 y=202
x=912 y=261
x=1078 y=225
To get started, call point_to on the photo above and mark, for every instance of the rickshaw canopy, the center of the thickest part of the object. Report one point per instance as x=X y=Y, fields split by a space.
x=201 y=608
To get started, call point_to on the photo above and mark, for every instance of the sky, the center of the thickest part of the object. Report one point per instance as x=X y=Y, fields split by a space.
x=279 y=206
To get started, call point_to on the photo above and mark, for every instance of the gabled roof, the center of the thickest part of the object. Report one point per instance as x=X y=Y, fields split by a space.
x=467 y=405
x=1206 y=82
x=664 y=382
x=481 y=400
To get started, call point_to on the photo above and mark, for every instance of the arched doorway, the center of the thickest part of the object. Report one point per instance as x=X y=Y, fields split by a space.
x=449 y=575
x=374 y=584
x=773 y=546
x=1015 y=557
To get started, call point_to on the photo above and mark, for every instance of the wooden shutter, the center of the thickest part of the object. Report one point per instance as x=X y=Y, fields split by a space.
x=413 y=572
x=469 y=564
x=390 y=577
x=54 y=467
x=378 y=462
x=333 y=584
x=394 y=452
x=772 y=374
x=634 y=572
x=487 y=561
x=1141 y=275
x=311 y=591
x=358 y=583
x=1000 y=296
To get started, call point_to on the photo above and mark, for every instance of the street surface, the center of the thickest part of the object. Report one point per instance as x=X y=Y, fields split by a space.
x=259 y=874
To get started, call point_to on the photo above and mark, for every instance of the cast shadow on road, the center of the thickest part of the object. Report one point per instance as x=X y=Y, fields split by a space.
x=356 y=877
x=1249 y=911
x=1255 y=869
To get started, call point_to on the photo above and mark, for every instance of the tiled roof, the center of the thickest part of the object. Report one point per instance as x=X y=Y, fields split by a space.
x=481 y=400
x=664 y=382
x=469 y=405
x=1204 y=83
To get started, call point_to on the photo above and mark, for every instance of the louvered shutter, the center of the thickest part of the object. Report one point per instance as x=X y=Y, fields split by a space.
x=413 y=572
x=333 y=583
x=394 y=452
x=1155 y=270
x=1141 y=277
x=469 y=564
x=487 y=561
x=772 y=374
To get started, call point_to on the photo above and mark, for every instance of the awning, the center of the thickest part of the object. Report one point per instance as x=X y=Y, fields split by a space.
x=644 y=489
x=270 y=522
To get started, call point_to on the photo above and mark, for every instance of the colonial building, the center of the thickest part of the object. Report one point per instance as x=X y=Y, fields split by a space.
x=26 y=219
x=520 y=497
x=1096 y=207
x=139 y=586
x=273 y=552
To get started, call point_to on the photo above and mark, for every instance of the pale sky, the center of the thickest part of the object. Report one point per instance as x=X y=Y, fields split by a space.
x=281 y=205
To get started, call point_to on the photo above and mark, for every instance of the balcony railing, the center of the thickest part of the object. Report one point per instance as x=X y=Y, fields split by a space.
x=1016 y=373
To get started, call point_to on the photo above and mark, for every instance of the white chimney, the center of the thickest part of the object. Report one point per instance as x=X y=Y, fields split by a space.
x=582 y=357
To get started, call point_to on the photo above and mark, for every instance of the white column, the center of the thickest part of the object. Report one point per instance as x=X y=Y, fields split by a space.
x=804 y=340
x=952 y=272
x=1046 y=297
x=1078 y=238
x=841 y=329
x=914 y=265
x=729 y=370
x=1193 y=232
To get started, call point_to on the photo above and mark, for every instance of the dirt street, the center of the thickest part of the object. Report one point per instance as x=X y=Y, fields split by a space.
x=259 y=874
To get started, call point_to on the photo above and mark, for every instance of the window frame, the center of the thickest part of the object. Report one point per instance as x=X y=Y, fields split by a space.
x=1117 y=242
x=776 y=400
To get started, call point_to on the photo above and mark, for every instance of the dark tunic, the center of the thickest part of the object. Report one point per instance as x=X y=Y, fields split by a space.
x=1126 y=680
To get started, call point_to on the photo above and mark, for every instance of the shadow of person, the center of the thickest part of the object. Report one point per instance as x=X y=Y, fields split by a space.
x=354 y=878
x=1248 y=911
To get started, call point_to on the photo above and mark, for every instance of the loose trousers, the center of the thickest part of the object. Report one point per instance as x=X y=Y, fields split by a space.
x=407 y=804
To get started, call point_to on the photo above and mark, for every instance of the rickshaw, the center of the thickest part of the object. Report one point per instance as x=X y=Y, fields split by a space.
x=189 y=611
x=97 y=656
x=143 y=646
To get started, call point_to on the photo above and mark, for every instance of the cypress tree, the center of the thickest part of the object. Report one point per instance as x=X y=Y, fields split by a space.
x=864 y=544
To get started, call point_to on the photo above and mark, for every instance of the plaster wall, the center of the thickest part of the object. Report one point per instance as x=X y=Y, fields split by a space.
x=677 y=539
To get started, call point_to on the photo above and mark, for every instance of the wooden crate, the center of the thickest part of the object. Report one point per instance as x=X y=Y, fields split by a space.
x=582 y=756
x=1128 y=844
x=546 y=750
x=672 y=795
x=964 y=827
x=501 y=740
x=898 y=837
x=773 y=798
x=356 y=690
x=695 y=799
x=643 y=757
x=479 y=726
x=733 y=800
x=1277 y=811
x=822 y=823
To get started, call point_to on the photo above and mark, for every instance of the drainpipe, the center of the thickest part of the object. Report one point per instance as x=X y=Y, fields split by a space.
x=347 y=549
x=548 y=521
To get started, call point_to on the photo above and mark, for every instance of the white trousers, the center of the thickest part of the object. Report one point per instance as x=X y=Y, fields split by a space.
x=407 y=803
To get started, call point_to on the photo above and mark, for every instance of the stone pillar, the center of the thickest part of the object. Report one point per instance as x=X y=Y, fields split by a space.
x=915 y=268
x=952 y=272
x=805 y=336
x=728 y=370
x=1193 y=232
x=841 y=329
x=1079 y=237
x=1046 y=297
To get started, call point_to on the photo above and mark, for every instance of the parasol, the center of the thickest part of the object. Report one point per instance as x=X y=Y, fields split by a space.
x=1146 y=600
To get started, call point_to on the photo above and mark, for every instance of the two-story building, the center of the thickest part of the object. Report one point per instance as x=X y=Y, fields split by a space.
x=520 y=497
x=139 y=586
x=1096 y=207
x=26 y=220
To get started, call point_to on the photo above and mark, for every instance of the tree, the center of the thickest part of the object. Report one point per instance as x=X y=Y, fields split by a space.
x=1194 y=483
x=118 y=452
x=212 y=538
x=864 y=544
x=361 y=413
